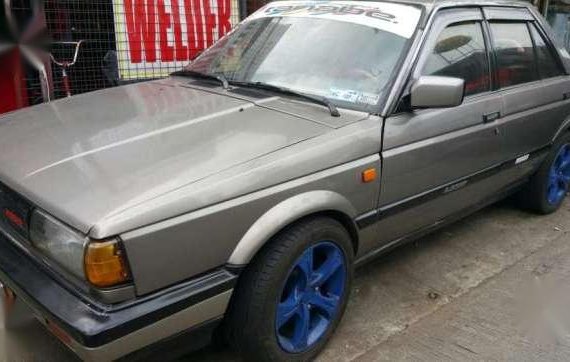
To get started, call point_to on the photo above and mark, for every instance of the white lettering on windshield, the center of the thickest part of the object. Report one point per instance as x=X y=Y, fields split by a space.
x=332 y=10
x=399 y=19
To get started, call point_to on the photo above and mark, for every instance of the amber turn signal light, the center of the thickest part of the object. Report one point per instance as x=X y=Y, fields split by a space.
x=105 y=264
x=369 y=175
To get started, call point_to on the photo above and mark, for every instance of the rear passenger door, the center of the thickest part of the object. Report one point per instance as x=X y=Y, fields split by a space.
x=531 y=80
x=431 y=157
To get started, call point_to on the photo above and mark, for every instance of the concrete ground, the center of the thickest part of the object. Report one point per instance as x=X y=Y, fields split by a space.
x=495 y=286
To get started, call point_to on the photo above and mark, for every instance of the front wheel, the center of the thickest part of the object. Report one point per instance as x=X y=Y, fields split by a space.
x=548 y=188
x=292 y=296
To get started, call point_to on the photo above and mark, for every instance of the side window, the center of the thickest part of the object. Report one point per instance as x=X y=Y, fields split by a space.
x=460 y=52
x=548 y=67
x=514 y=53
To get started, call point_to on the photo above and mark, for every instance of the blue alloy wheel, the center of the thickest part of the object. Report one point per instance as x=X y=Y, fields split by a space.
x=559 y=176
x=311 y=297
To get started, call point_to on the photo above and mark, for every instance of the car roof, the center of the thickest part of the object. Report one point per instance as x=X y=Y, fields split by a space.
x=431 y=4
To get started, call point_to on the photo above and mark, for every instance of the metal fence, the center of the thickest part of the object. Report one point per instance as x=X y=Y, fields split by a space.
x=121 y=40
x=92 y=23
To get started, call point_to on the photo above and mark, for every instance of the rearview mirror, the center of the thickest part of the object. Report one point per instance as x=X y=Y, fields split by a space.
x=437 y=92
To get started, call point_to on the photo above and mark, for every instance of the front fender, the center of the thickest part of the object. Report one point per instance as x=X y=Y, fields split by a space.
x=284 y=214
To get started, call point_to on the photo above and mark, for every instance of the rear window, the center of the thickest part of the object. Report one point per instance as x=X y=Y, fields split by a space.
x=514 y=53
x=548 y=66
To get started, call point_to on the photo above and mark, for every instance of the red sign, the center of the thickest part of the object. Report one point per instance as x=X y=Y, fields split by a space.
x=151 y=33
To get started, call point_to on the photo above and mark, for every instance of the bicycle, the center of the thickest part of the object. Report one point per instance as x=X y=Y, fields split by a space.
x=65 y=65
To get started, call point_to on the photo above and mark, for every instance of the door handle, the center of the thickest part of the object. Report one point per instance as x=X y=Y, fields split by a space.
x=491 y=117
x=566 y=96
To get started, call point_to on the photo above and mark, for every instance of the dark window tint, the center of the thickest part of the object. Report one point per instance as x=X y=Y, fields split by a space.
x=514 y=52
x=460 y=52
x=547 y=65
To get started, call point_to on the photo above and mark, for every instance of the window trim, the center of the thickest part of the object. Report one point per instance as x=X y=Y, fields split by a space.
x=507 y=13
x=495 y=86
x=534 y=51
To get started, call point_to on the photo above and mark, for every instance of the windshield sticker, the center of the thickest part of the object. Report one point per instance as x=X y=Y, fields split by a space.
x=395 y=18
x=352 y=96
x=343 y=95
x=368 y=98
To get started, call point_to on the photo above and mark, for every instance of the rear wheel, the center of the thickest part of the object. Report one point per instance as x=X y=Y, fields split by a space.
x=292 y=296
x=549 y=186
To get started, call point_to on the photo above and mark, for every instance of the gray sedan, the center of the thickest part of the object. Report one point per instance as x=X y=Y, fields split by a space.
x=238 y=195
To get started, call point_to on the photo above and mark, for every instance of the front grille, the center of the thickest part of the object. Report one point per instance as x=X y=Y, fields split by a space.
x=15 y=212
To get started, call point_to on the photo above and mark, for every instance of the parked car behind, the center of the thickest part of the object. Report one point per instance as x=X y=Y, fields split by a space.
x=239 y=194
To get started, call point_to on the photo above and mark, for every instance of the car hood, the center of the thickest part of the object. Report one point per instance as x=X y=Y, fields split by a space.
x=95 y=154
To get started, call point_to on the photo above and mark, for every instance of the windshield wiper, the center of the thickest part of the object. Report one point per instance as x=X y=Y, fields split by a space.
x=324 y=101
x=192 y=73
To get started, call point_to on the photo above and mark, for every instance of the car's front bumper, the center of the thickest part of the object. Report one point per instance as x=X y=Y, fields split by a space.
x=97 y=331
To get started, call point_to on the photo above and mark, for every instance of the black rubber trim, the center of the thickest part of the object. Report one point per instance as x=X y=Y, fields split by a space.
x=374 y=216
x=174 y=347
x=93 y=325
x=250 y=92
x=368 y=219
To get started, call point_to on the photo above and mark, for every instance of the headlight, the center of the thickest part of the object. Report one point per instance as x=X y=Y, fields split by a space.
x=58 y=242
x=102 y=263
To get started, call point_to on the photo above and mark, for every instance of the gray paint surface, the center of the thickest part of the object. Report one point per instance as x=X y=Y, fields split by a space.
x=477 y=266
x=131 y=144
x=424 y=149
x=193 y=177
x=163 y=163
x=181 y=239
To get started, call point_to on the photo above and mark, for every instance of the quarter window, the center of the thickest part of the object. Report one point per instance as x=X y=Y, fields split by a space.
x=548 y=67
x=460 y=52
x=514 y=53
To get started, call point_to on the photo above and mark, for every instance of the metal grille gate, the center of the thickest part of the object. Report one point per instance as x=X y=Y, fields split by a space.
x=121 y=41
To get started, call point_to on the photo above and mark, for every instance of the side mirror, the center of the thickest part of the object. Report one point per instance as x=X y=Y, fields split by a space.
x=437 y=92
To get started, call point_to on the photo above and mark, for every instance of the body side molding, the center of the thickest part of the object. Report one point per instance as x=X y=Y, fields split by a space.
x=372 y=217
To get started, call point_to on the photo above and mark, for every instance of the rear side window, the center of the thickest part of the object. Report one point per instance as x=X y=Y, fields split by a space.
x=514 y=53
x=460 y=53
x=548 y=67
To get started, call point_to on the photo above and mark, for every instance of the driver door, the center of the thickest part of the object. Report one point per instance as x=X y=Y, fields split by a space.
x=437 y=162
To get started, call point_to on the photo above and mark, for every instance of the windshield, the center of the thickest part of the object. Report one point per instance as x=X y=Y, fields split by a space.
x=350 y=62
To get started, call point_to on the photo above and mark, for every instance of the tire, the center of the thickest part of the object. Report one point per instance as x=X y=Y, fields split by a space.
x=547 y=189
x=274 y=289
